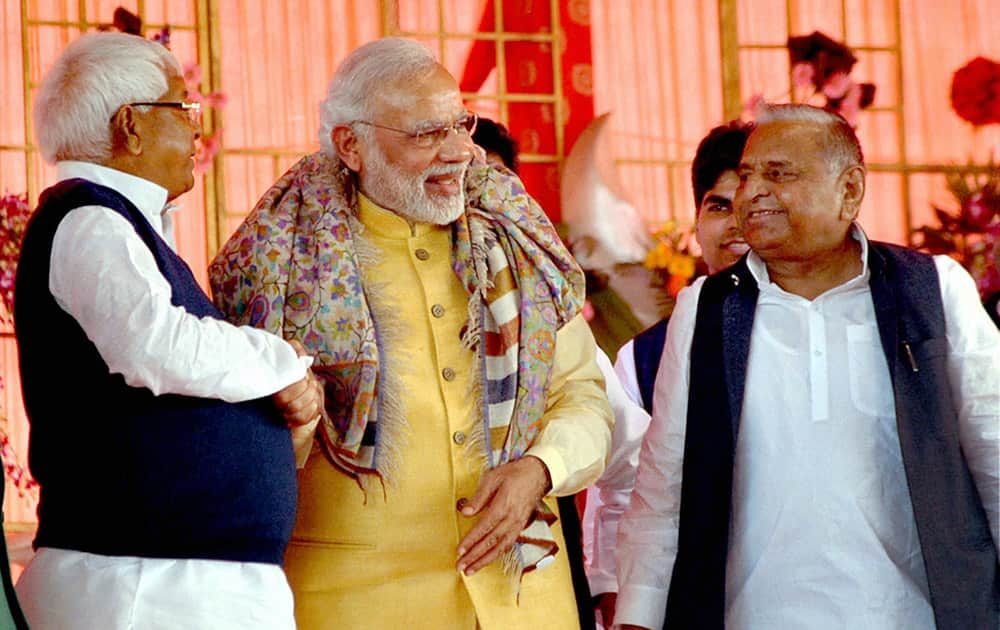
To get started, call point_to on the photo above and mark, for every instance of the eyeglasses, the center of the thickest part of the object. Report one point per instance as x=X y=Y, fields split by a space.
x=192 y=109
x=434 y=136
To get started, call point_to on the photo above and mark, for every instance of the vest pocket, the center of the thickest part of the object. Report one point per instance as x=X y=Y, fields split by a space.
x=870 y=385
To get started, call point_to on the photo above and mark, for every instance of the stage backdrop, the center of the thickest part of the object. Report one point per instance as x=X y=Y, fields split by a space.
x=667 y=70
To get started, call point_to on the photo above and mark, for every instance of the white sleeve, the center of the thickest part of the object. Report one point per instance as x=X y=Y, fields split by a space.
x=974 y=374
x=104 y=276
x=647 y=536
x=626 y=371
x=610 y=495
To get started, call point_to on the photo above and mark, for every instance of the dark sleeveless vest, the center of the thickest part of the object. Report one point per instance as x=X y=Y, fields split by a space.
x=959 y=554
x=647 y=348
x=122 y=471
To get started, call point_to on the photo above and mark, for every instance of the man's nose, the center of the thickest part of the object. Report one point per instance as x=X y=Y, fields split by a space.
x=732 y=222
x=457 y=147
x=751 y=188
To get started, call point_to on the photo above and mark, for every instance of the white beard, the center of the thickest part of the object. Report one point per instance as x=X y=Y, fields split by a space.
x=405 y=194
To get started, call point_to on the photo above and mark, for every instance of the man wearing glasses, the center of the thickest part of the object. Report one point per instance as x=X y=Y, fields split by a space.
x=166 y=472
x=444 y=314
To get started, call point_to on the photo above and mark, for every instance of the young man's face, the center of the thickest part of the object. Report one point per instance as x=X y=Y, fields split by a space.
x=718 y=234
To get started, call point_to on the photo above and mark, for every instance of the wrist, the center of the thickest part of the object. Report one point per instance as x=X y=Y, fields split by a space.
x=545 y=479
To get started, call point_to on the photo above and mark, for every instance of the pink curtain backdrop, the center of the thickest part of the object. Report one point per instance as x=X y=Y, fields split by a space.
x=656 y=67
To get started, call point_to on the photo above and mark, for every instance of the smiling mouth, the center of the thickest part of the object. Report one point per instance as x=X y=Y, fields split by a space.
x=763 y=213
x=450 y=183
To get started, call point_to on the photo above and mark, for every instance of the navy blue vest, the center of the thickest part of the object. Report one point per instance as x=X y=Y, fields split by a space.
x=647 y=348
x=960 y=558
x=124 y=472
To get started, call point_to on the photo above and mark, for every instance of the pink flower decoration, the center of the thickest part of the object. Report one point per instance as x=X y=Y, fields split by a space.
x=837 y=86
x=217 y=100
x=208 y=146
x=850 y=107
x=192 y=74
x=753 y=103
x=979 y=208
x=802 y=74
x=588 y=311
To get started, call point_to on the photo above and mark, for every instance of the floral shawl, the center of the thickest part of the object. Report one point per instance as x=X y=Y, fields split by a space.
x=294 y=268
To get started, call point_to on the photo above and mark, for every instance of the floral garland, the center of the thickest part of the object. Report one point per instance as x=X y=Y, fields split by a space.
x=14 y=214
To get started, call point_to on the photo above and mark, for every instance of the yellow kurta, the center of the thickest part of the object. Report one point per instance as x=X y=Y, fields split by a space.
x=387 y=561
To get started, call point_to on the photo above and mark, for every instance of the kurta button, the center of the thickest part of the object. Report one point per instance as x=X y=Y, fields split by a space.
x=437 y=310
x=461 y=503
x=421 y=254
x=735 y=279
x=458 y=437
x=449 y=375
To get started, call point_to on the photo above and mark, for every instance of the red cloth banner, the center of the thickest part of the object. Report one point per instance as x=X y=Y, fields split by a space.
x=529 y=70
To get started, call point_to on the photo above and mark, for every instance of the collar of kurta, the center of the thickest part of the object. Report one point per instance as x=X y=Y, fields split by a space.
x=294 y=268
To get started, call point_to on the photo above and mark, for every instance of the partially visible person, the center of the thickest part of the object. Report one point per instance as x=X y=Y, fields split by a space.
x=501 y=151
x=825 y=445
x=713 y=181
x=444 y=313
x=158 y=437
x=992 y=306
x=500 y=146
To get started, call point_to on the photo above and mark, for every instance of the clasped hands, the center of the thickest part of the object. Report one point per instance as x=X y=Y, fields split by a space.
x=506 y=497
x=302 y=406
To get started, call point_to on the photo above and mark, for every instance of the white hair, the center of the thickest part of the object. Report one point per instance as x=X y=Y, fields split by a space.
x=841 y=143
x=92 y=78
x=370 y=68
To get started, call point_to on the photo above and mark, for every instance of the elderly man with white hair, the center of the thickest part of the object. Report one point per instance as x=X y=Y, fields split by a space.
x=824 y=451
x=166 y=469
x=461 y=385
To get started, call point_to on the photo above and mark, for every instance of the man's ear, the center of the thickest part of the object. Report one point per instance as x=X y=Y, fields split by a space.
x=125 y=137
x=346 y=142
x=852 y=183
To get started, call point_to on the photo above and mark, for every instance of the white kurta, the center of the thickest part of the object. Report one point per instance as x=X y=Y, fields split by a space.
x=106 y=278
x=823 y=534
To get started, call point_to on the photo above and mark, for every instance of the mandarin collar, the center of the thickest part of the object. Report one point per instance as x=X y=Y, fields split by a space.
x=388 y=224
